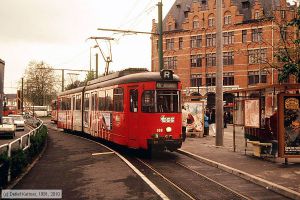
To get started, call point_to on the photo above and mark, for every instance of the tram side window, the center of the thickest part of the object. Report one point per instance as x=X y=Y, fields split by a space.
x=78 y=102
x=148 y=103
x=93 y=103
x=118 y=99
x=73 y=102
x=134 y=100
x=86 y=101
x=109 y=100
x=101 y=100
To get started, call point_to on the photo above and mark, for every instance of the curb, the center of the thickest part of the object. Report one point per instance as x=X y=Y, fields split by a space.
x=27 y=169
x=259 y=181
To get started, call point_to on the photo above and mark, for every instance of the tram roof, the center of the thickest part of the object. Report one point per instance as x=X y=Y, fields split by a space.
x=131 y=78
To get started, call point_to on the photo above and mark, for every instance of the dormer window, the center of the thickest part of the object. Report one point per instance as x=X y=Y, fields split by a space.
x=227 y=19
x=196 y=23
x=211 y=21
x=246 y=4
x=256 y=15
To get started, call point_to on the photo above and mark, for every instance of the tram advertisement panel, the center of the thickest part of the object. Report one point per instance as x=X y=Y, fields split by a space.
x=238 y=113
x=251 y=113
x=289 y=125
x=195 y=120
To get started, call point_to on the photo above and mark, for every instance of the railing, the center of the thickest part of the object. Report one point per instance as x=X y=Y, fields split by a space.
x=23 y=142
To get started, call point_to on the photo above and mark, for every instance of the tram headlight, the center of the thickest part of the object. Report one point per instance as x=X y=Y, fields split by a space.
x=168 y=129
x=155 y=136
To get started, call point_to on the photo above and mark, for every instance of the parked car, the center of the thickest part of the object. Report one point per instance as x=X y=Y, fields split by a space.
x=19 y=122
x=8 y=128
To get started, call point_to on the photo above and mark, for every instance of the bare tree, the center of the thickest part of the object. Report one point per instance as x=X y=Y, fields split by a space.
x=39 y=83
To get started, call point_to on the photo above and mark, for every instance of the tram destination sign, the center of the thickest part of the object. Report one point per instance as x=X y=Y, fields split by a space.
x=166 y=85
x=289 y=125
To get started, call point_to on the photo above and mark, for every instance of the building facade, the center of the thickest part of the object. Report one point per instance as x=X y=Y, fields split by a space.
x=253 y=31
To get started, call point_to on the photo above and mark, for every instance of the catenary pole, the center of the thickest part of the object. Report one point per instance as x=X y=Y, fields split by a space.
x=2 y=64
x=160 y=36
x=219 y=76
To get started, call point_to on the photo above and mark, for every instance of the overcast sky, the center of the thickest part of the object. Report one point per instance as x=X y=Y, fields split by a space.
x=56 y=31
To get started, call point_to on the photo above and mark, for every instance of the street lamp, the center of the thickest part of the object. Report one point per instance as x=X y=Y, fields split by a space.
x=91 y=55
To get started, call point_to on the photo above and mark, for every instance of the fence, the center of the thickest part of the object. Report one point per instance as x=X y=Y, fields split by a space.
x=22 y=143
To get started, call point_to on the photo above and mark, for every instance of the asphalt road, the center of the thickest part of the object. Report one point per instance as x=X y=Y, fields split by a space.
x=5 y=140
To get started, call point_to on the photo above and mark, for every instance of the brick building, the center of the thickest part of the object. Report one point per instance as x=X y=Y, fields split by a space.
x=253 y=31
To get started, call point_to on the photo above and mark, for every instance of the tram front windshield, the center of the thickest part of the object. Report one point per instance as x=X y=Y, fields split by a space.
x=164 y=101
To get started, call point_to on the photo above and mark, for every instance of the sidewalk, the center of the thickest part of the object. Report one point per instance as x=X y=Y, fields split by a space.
x=272 y=173
x=84 y=170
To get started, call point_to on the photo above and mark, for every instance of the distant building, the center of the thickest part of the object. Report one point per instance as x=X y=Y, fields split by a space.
x=253 y=31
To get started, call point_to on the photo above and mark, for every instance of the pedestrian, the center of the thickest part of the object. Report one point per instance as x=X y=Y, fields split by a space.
x=184 y=122
x=225 y=119
x=206 y=125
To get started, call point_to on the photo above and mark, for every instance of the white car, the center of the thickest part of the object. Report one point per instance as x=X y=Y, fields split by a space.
x=7 y=128
x=19 y=122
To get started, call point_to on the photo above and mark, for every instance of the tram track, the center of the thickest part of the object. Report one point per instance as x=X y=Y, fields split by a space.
x=178 y=176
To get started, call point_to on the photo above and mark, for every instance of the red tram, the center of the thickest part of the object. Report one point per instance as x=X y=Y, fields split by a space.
x=136 y=109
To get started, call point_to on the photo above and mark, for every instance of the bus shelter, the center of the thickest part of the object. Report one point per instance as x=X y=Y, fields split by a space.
x=270 y=116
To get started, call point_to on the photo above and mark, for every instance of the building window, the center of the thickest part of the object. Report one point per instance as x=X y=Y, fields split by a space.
x=186 y=14
x=180 y=43
x=170 y=44
x=228 y=37
x=195 y=23
x=244 y=36
x=253 y=77
x=196 y=41
x=211 y=60
x=228 y=78
x=211 y=80
x=256 y=56
x=196 y=60
x=283 y=33
x=170 y=62
x=257 y=35
x=227 y=19
x=282 y=13
x=228 y=58
x=211 y=40
x=211 y=21
x=169 y=27
x=196 y=80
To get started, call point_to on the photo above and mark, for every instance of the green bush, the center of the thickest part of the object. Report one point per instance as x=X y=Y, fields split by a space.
x=19 y=159
x=4 y=166
x=18 y=162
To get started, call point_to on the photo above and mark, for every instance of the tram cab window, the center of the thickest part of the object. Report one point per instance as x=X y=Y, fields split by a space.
x=109 y=100
x=118 y=99
x=133 y=100
x=101 y=100
x=161 y=101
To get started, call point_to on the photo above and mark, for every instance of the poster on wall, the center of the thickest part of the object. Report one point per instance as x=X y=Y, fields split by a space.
x=239 y=113
x=195 y=118
x=269 y=105
x=252 y=113
x=289 y=125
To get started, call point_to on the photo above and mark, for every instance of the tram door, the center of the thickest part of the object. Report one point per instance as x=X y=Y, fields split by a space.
x=133 y=119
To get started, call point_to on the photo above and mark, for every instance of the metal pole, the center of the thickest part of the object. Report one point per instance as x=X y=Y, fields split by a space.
x=219 y=74
x=22 y=96
x=2 y=64
x=62 y=80
x=97 y=66
x=90 y=58
x=160 y=38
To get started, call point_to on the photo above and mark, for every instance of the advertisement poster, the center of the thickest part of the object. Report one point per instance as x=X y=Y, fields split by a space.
x=195 y=121
x=252 y=113
x=289 y=129
x=239 y=113
x=268 y=105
